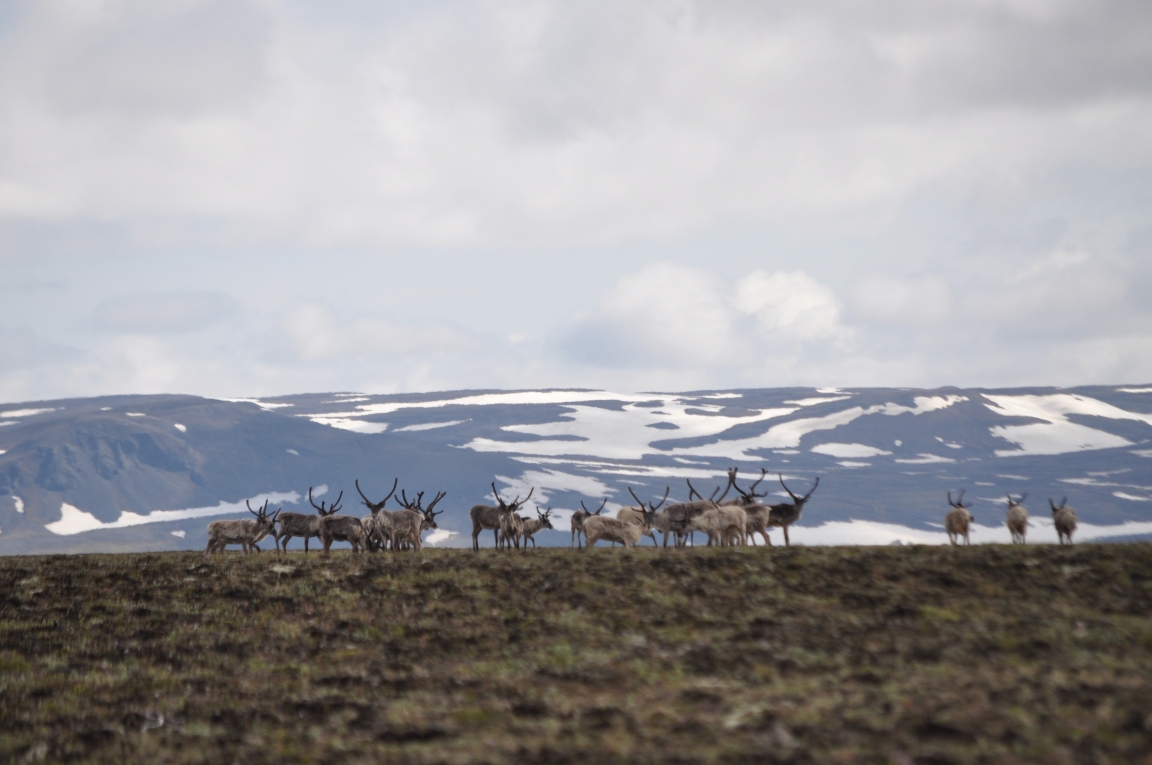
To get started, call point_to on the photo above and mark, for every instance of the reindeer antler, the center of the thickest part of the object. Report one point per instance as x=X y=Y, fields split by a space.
x=439 y=496
x=597 y=511
x=692 y=491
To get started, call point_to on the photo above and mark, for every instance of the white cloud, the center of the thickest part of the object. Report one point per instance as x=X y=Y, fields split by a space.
x=163 y=312
x=903 y=300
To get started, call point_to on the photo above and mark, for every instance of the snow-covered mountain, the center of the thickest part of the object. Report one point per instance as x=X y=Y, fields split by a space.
x=149 y=472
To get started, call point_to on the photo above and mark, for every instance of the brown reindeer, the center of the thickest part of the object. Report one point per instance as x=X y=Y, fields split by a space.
x=787 y=513
x=245 y=533
x=958 y=521
x=680 y=515
x=413 y=520
x=578 y=518
x=290 y=525
x=338 y=528
x=1064 y=519
x=378 y=527
x=488 y=517
x=1017 y=518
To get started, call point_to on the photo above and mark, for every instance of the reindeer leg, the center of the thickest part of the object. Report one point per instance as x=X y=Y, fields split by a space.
x=787 y=542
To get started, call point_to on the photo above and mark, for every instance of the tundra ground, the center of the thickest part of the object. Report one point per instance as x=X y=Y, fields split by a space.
x=989 y=654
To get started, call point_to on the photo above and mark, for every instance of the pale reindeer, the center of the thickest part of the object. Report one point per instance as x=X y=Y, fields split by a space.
x=378 y=527
x=413 y=520
x=488 y=517
x=613 y=529
x=511 y=525
x=1064 y=518
x=681 y=514
x=578 y=518
x=787 y=513
x=659 y=520
x=958 y=521
x=338 y=528
x=723 y=525
x=291 y=525
x=758 y=516
x=532 y=526
x=1017 y=518
x=245 y=533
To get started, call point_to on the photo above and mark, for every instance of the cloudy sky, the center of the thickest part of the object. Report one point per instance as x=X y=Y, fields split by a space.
x=250 y=198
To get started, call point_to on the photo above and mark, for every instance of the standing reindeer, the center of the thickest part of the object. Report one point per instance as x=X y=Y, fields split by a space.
x=1017 y=518
x=414 y=519
x=530 y=526
x=758 y=516
x=787 y=513
x=1064 y=519
x=489 y=517
x=378 y=526
x=636 y=515
x=290 y=525
x=958 y=521
x=337 y=528
x=628 y=534
x=681 y=514
x=578 y=518
x=244 y=533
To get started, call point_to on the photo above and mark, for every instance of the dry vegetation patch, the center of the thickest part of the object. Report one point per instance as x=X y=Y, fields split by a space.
x=989 y=654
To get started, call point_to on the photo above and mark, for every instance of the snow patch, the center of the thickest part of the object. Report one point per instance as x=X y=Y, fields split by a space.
x=1133 y=497
x=925 y=459
x=179 y=427
x=181 y=533
x=848 y=450
x=356 y=426
x=1142 y=452
x=1057 y=434
x=19 y=503
x=76 y=521
x=854 y=464
x=430 y=426
x=293 y=451
x=135 y=414
x=1134 y=390
x=551 y=480
x=857 y=532
x=814 y=401
x=268 y=407
x=24 y=412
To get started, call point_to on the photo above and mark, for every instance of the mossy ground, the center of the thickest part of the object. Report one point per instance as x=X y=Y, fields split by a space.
x=989 y=654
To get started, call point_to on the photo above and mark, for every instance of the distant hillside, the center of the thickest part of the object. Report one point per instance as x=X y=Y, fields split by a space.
x=149 y=472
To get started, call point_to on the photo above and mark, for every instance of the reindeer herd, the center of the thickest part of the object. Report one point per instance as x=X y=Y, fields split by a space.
x=734 y=521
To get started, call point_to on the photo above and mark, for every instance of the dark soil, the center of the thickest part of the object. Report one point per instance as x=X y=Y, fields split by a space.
x=989 y=654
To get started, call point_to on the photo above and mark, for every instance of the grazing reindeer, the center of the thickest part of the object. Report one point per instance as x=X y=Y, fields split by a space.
x=413 y=520
x=530 y=526
x=1064 y=518
x=787 y=513
x=338 y=528
x=1017 y=518
x=291 y=525
x=958 y=521
x=378 y=526
x=578 y=519
x=488 y=517
x=628 y=534
x=244 y=533
x=758 y=515
x=636 y=515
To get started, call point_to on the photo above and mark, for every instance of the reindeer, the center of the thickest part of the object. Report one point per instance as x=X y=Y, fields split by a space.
x=681 y=514
x=378 y=526
x=659 y=521
x=787 y=513
x=414 y=519
x=578 y=518
x=298 y=525
x=530 y=526
x=488 y=517
x=1017 y=518
x=244 y=533
x=958 y=521
x=628 y=534
x=511 y=525
x=1064 y=519
x=758 y=515
x=338 y=528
